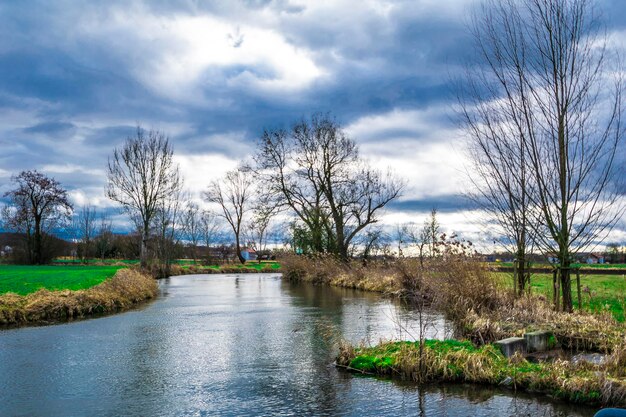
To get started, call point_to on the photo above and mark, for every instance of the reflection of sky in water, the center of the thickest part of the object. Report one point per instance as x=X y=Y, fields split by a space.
x=222 y=345
x=383 y=319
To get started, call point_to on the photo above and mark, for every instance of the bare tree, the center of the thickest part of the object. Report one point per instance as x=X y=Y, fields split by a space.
x=233 y=193
x=167 y=231
x=209 y=227
x=266 y=207
x=37 y=205
x=426 y=238
x=549 y=93
x=104 y=238
x=500 y=171
x=192 y=226
x=316 y=170
x=141 y=176
x=86 y=227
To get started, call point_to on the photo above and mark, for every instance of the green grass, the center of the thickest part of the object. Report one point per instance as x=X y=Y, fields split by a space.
x=599 y=292
x=576 y=265
x=28 y=279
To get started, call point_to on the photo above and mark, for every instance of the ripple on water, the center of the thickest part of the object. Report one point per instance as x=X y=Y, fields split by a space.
x=233 y=345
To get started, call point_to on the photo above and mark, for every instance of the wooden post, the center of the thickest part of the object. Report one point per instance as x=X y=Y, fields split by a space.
x=578 y=288
x=515 y=272
x=554 y=287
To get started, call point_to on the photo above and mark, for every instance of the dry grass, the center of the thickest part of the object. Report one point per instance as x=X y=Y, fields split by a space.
x=454 y=361
x=328 y=270
x=468 y=293
x=123 y=291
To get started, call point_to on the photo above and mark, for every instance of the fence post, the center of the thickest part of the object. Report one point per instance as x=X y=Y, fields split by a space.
x=515 y=272
x=578 y=287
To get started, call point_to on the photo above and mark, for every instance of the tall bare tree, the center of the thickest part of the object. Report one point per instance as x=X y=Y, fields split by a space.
x=168 y=229
x=141 y=176
x=37 y=204
x=86 y=227
x=209 y=227
x=316 y=169
x=192 y=226
x=498 y=147
x=233 y=194
x=549 y=100
x=104 y=238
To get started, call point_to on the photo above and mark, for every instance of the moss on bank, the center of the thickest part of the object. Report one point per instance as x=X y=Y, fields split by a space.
x=461 y=361
x=126 y=289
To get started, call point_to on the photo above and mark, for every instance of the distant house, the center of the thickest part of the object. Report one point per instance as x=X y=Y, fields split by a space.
x=595 y=258
x=249 y=254
x=6 y=251
x=552 y=258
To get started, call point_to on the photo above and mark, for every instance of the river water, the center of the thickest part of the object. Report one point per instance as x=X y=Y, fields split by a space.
x=238 y=345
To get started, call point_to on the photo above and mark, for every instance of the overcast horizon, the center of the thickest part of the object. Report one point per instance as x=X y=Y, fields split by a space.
x=76 y=78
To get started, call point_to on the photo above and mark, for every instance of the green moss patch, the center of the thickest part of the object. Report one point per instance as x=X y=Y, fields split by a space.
x=461 y=361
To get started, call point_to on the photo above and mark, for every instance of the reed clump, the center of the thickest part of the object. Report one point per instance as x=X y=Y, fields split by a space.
x=462 y=361
x=328 y=270
x=123 y=291
x=458 y=284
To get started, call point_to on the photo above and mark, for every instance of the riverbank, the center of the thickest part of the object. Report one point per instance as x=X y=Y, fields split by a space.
x=124 y=290
x=461 y=361
x=483 y=311
x=251 y=267
x=469 y=294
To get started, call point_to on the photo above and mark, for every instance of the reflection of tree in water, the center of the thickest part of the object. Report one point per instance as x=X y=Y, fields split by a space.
x=316 y=332
x=468 y=399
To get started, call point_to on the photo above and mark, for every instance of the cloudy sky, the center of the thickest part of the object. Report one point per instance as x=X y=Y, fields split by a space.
x=77 y=77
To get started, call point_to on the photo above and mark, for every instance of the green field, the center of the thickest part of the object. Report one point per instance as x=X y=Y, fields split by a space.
x=27 y=279
x=599 y=292
x=576 y=265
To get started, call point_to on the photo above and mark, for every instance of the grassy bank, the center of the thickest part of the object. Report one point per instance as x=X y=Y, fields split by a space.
x=26 y=279
x=461 y=361
x=470 y=295
x=599 y=293
x=326 y=270
x=123 y=291
x=252 y=266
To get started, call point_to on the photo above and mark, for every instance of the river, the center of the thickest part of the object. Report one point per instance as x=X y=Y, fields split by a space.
x=249 y=344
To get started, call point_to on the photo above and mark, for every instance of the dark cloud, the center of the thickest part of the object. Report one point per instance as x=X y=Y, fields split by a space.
x=76 y=77
x=444 y=203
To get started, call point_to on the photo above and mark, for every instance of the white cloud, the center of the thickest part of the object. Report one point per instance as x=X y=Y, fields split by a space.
x=428 y=154
x=72 y=169
x=176 y=55
x=200 y=170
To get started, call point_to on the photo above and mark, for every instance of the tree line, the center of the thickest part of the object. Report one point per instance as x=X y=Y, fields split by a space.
x=541 y=106
x=311 y=175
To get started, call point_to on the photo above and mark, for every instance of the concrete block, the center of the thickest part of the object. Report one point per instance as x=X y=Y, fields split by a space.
x=539 y=341
x=511 y=345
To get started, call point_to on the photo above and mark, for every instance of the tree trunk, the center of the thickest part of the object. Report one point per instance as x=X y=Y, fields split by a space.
x=37 y=256
x=566 y=285
x=521 y=271
x=238 y=250
x=143 y=256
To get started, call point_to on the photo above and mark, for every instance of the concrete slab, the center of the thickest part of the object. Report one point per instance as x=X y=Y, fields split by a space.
x=539 y=341
x=511 y=345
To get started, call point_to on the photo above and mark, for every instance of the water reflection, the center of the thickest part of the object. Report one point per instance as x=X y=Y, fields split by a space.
x=232 y=345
